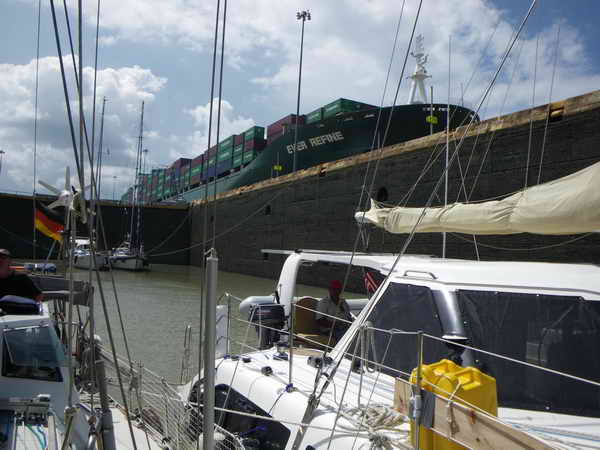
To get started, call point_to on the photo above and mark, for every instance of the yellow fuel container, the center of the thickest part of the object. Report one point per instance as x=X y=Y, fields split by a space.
x=466 y=385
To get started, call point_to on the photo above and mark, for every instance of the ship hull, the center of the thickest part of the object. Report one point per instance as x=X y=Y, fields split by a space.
x=333 y=139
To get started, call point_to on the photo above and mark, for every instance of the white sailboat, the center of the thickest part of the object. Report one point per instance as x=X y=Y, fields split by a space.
x=129 y=255
x=444 y=354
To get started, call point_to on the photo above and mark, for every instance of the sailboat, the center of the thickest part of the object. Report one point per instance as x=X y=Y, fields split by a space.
x=129 y=255
x=441 y=353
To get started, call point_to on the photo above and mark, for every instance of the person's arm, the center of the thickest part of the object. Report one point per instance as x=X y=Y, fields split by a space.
x=323 y=321
x=32 y=291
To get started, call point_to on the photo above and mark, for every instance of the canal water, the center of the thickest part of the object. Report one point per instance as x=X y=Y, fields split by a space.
x=158 y=305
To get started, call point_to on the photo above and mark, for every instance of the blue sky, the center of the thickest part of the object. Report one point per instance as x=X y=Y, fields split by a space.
x=159 y=51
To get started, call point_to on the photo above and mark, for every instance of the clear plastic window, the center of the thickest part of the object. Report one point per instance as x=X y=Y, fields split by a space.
x=34 y=353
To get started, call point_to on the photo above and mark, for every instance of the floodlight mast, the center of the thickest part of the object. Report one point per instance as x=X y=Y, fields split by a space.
x=303 y=16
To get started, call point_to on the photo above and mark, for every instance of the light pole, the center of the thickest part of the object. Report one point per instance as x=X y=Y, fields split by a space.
x=2 y=152
x=114 y=186
x=304 y=16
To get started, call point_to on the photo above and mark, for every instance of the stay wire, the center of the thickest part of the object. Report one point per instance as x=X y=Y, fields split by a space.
x=539 y=177
x=35 y=120
x=389 y=121
x=219 y=124
x=408 y=240
x=205 y=227
x=78 y=164
x=535 y=67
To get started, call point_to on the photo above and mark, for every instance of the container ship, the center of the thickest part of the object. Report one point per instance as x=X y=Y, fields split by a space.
x=337 y=130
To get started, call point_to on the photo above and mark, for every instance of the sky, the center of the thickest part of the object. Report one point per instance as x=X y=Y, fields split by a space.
x=160 y=52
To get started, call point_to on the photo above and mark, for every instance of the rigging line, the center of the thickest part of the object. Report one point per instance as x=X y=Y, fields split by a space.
x=94 y=196
x=219 y=124
x=385 y=134
x=229 y=230
x=381 y=103
x=530 y=249
x=539 y=177
x=78 y=162
x=184 y=220
x=81 y=118
x=407 y=196
x=205 y=225
x=64 y=82
x=35 y=120
x=454 y=154
x=535 y=66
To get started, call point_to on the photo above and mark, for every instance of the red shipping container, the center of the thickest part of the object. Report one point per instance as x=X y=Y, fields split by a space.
x=284 y=122
x=238 y=139
x=255 y=144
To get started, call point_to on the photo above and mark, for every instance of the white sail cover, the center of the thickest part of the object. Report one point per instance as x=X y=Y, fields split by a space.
x=568 y=205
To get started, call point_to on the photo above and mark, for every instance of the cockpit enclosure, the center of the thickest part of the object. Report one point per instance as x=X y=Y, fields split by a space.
x=558 y=332
x=32 y=352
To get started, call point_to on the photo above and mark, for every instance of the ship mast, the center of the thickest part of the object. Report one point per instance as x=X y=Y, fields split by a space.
x=420 y=73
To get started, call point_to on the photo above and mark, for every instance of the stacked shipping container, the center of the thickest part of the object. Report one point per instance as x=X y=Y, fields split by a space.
x=282 y=126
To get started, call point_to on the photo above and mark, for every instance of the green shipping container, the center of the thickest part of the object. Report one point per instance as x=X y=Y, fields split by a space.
x=341 y=105
x=226 y=143
x=196 y=170
x=238 y=150
x=254 y=132
x=211 y=161
x=225 y=156
x=314 y=116
x=237 y=161
x=248 y=156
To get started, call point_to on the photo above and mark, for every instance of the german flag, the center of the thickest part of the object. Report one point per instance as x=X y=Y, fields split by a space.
x=48 y=222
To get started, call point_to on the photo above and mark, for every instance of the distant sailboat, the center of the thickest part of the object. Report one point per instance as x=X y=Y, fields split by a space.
x=130 y=254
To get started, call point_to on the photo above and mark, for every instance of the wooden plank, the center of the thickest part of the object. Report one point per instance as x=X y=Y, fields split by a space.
x=467 y=426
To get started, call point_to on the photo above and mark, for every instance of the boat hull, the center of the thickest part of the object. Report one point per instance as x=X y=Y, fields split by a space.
x=129 y=263
x=85 y=262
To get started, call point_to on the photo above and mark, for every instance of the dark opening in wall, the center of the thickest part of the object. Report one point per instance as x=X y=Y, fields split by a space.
x=268 y=210
x=382 y=195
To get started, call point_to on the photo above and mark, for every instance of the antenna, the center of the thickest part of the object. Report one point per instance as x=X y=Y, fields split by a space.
x=420 y=73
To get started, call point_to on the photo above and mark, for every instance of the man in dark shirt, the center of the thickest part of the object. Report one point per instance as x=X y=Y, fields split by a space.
x=12 y=283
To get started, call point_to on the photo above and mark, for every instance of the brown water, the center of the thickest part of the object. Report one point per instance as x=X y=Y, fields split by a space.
x=157 y=306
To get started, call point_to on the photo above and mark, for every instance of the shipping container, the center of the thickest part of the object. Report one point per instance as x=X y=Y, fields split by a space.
x=238 y=139
x=226 y=143
x=180 y=162
x=314 y=116
x=237 y=161
x=223 y=167
x=284 y=124
x=248 y=156
x=225 y=156
x=238 y=149
x=255 y=144
x=254 y=132
x=341 y=106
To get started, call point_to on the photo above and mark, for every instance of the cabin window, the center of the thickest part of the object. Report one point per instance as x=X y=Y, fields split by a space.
x=267 y=434
x=405 y=307
x=33 y=353
x=557 y=332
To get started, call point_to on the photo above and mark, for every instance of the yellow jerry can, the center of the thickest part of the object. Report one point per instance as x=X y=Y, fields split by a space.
x=466 y=385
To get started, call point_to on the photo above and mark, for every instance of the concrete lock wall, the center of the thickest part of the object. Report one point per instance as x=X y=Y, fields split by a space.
x=314 y=208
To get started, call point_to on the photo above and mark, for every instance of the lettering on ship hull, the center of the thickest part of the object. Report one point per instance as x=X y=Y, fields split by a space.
x=316 y=141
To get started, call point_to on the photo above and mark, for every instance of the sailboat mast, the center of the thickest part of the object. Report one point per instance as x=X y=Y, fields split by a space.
x=137 y=184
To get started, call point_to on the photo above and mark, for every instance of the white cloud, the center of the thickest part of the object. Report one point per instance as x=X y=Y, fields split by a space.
x=231 y=123
x=125 y=88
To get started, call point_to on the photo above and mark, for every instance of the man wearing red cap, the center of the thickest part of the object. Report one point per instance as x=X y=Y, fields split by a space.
x=331 y=308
